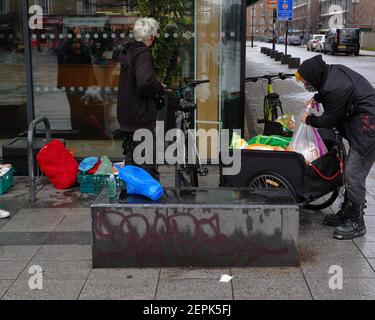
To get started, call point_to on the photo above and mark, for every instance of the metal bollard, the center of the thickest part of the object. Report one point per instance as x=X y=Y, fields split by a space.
x=285 y=58
x=294 y=63
x=278 y=56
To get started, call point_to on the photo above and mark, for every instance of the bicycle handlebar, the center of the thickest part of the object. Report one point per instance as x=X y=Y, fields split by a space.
x=190 y=83
x=282 y=76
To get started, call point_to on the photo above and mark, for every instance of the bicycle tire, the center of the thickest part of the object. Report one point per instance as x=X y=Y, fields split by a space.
x=194 y=182
x=186 y=175
x=187 y=178
x=326 y=204
x=270 y=180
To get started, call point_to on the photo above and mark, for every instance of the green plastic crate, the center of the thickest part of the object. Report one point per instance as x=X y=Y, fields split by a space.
x=94 y=184
x=6 y=182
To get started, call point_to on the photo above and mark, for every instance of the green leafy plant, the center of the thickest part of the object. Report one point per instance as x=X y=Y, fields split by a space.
x=174 y=17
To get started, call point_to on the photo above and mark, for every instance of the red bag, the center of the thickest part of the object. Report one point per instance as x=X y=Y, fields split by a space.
x=58 y=164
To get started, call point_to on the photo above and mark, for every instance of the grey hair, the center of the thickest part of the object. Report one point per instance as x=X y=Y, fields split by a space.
x=145 y=28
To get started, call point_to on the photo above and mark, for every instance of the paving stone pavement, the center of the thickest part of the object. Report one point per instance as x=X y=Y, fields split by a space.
x=56 y=236
x=54 y=233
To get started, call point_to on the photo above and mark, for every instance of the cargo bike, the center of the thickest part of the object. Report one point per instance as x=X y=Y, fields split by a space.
x=315 y=185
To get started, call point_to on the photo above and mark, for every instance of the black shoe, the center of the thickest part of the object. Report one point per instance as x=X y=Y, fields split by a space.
x=338 y=219
x=354 y=227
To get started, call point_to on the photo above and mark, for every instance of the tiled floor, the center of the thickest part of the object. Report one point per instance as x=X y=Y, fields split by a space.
x=55 y=235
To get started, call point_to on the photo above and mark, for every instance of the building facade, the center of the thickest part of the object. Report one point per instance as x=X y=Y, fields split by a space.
x=317 y=16
x=75 y=65
x=306 y=17
x=347 y=13
x=260 y=20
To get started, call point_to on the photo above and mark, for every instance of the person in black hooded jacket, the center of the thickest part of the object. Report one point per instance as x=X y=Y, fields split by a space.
x=349 y=106
x=138 y=89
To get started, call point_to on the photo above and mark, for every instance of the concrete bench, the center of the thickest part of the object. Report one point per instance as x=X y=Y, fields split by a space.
x=197 y=228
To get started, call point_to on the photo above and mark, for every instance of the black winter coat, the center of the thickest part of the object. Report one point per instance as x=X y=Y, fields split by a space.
x=137 y=89
x=348 y=100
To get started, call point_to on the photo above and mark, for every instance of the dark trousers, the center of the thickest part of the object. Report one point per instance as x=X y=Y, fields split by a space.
x=357 y=169
x=129 y=146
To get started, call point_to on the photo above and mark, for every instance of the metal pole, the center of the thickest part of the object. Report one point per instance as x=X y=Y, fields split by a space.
x=346 y=13
x=273 y=35
x=286 y=37
x=28 y=62
x=252 y=26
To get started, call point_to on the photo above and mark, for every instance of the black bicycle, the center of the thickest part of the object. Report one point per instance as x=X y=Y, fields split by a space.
x=186 y=170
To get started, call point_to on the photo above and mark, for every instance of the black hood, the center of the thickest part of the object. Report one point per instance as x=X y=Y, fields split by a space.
x=135 y=48
x=314 y=71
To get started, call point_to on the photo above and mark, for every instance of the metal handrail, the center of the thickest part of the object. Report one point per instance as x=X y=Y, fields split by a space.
x=30 y=153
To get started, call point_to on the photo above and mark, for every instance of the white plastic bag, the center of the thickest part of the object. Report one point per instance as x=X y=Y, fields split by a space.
x=308 y=142
x=315 y=109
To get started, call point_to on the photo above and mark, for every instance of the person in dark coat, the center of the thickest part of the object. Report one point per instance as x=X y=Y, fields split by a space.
x=138 y=90
x=349 y=106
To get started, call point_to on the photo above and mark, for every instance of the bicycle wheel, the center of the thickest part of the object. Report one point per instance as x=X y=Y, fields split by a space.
x=268 y=181
x=186 y=174
x=186 y=177
x=323 y=202
x=272 y=105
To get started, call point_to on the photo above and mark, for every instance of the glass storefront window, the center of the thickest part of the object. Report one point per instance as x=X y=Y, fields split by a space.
x=75 y=64
x=13 y=113
x=76 y=67
x=76 y=71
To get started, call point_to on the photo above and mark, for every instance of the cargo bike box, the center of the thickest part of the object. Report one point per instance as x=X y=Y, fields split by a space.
x=314 y=185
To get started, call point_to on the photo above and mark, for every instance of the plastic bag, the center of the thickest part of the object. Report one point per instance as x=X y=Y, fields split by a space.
x=309 y=143
x=58 y=165
x=288 y=122
x=316 y=109
x=273 y=141
x=238 y=142
x=105 y=166
x=140 y=182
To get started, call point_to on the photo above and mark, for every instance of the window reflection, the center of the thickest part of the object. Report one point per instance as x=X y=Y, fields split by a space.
x=75 y=61
x=76 y=66
x=13 y=116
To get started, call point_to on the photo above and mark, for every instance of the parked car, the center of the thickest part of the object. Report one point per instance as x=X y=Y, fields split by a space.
x=345 y=40
x=294 y=41
x=314 y=41
x=320 y=44
x=281 y=40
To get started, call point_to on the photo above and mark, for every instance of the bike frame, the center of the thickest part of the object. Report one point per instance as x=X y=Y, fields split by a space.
x=270 y=86
x=183 y=120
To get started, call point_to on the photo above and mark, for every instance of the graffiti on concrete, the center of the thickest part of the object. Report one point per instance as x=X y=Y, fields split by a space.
x=177 y=237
